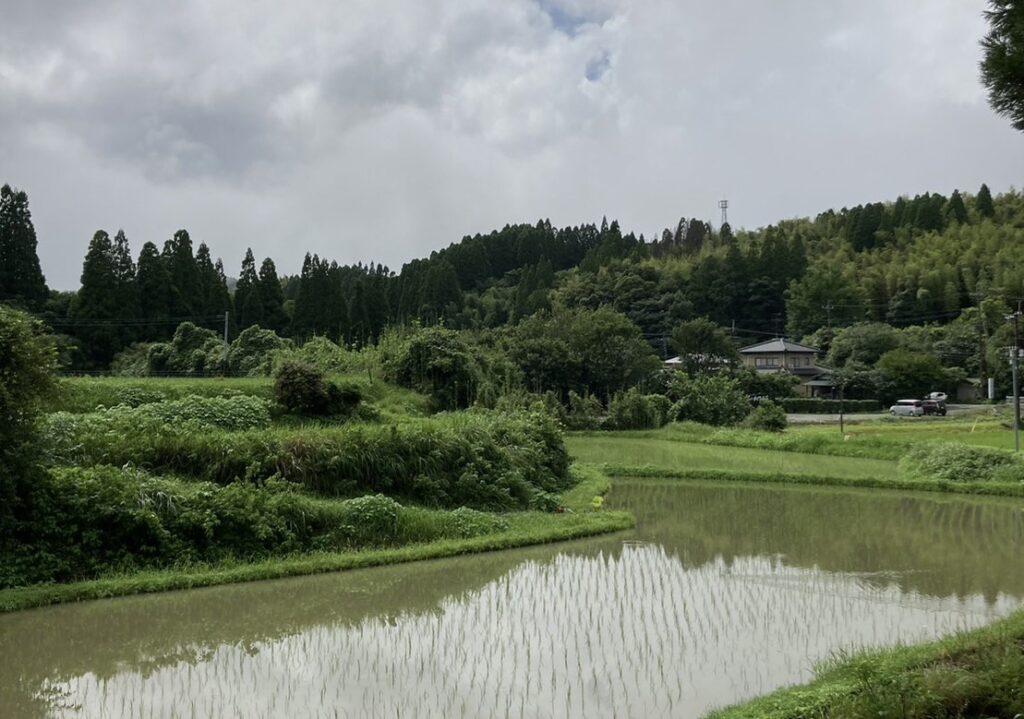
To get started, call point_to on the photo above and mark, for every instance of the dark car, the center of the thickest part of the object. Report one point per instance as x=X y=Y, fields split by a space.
x=935 y=407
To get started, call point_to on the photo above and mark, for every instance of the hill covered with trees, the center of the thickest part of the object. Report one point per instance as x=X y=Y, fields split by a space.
x=938 y=270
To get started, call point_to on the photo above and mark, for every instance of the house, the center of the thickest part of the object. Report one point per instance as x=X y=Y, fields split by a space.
x=783 y=356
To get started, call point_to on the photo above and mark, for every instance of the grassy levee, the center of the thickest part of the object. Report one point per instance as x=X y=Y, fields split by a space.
x=880 y=439
x=971 y=674
x=662 y=451
x=522 y=529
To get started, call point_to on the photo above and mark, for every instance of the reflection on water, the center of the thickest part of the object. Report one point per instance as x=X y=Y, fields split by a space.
x=729 y=592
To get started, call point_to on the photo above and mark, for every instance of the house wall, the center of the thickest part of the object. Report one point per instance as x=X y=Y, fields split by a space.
x=768 y=360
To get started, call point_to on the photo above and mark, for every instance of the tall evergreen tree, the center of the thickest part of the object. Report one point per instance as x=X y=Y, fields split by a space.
x=271 y=298
x=983 y=202
x=304 y=317
x=186 y=291
x=152 y=282
x=126 y=287
x=247 y=299
x=21 y=279
x=955 y=209
x=95 y=310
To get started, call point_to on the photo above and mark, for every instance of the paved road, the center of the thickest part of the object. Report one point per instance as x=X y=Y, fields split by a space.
x=953 y=410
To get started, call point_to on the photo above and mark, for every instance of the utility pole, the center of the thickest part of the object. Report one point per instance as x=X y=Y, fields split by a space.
x=1015 y=350
x=225 y=342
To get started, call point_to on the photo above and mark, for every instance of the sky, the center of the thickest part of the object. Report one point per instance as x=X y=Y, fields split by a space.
x=382 y=130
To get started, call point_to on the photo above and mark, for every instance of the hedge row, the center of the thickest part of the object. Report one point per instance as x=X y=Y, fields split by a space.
x=828 y=406
x=476 y=459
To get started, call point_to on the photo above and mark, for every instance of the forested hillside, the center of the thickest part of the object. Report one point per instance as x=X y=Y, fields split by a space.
x=929 y=261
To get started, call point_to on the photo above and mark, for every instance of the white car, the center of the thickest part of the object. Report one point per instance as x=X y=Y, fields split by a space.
x=907 y=408
x=938 y=396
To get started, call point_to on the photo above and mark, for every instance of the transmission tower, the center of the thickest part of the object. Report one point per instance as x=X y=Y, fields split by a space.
x=724 y=206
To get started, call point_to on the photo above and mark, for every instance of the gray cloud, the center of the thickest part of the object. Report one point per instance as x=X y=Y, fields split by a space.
x=380 y=129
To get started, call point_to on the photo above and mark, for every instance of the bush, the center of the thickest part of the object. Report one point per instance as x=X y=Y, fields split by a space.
x=27 y=362
x=803 y=405
x=767 y=416
x=252 y=352
x=87 y=522
x=713 y=399
x=584 y=412
x=634 y=410
x=961 y=463
x=193 y=351
x=479 y=459
x=439 y=363
x=302 y=389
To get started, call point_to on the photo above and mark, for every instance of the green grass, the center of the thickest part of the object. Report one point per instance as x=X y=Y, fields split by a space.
x=972 y=674
x=86 y=394
x=524 y=528
x=661 y=452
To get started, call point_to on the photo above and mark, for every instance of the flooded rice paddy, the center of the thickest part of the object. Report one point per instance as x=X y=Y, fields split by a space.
x=723 y=592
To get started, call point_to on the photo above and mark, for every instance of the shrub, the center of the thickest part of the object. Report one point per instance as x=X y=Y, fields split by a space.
x=302 y=389
x=584 y=411
x=634 y=410
x=961 y=463
x=87 y=522
x=709 y=399
x=767 y=416
x=804 y=405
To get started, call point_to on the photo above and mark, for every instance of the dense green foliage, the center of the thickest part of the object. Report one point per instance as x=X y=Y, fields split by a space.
x=439 y=363
x=302 y=389
x=634 y=410
x=767 y=417
x=89 y=521
x=708 y=399
x=27 y=360
x=959 y=463
x=481 y=459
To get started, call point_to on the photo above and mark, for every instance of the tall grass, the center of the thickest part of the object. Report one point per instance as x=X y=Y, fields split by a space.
x=478 y=459
x=974 y=674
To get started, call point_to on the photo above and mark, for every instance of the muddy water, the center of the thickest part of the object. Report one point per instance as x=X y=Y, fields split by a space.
x=722 y=592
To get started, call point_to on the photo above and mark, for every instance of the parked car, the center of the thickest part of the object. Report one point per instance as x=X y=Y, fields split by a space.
x=934 y=406
x=938 y=396
x=907 y=408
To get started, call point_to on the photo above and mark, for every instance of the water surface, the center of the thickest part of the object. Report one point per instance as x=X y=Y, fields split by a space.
x=722 y=592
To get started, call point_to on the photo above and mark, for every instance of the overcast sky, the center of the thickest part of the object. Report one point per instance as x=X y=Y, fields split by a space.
x=380 y=130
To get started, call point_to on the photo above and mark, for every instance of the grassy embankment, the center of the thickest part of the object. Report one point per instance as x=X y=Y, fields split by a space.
x=971 y=674
x=182 y=483
x=865 y=456
x=522 y=528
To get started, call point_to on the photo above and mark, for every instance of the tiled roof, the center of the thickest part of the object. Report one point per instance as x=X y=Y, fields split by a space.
x=777 y=345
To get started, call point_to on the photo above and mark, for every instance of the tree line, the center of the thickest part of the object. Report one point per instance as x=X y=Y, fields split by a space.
x=890 y=262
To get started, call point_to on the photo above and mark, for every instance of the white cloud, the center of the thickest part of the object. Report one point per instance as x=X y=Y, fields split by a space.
x=382 y=129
